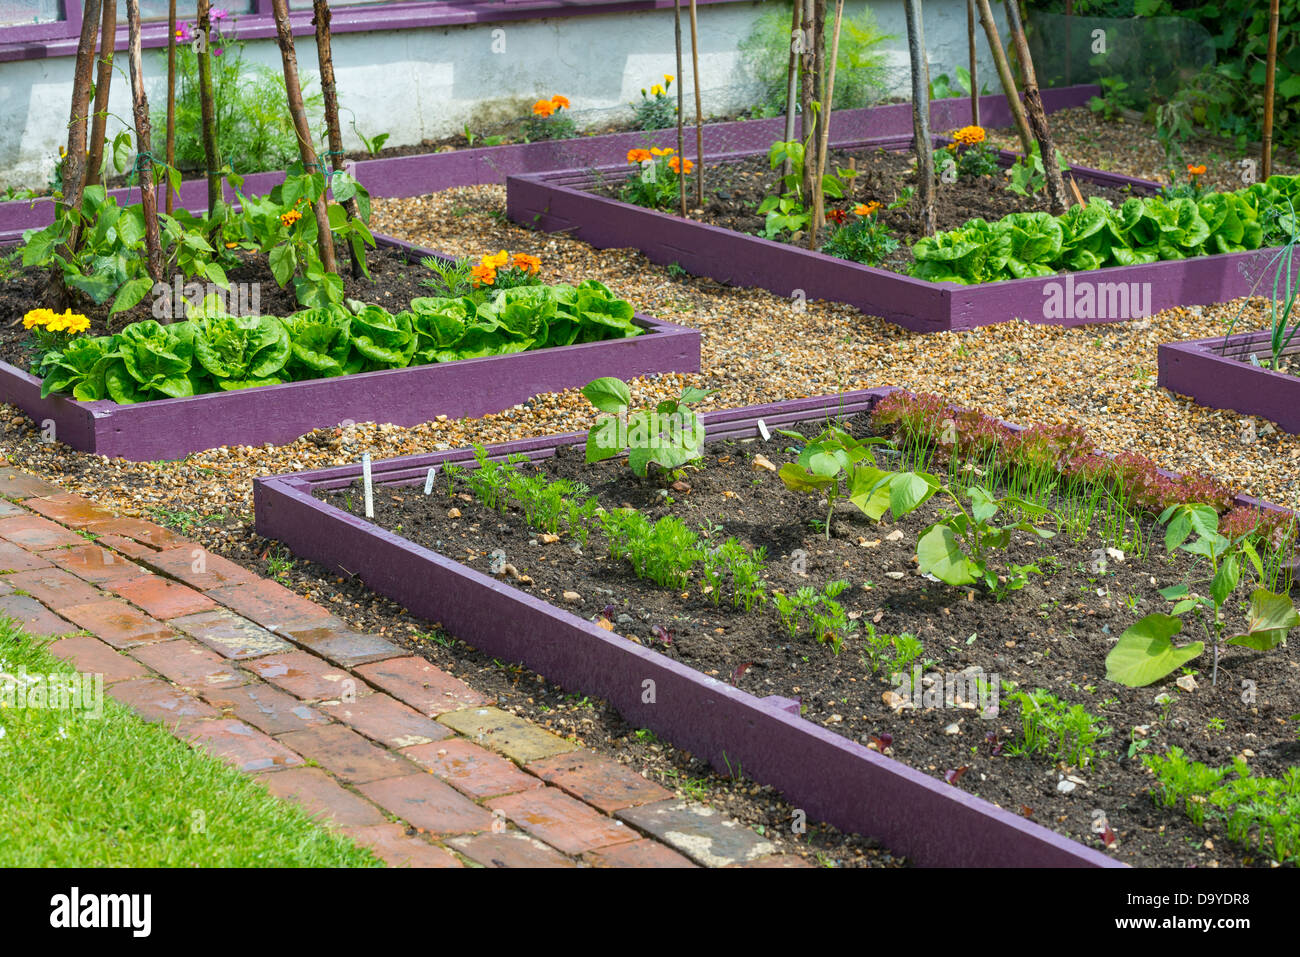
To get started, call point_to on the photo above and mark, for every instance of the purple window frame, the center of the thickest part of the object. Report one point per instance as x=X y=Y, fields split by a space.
x=60 y=39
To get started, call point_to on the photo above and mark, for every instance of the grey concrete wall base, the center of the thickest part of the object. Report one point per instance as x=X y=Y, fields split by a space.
x=172 y=428
x=1217 y=372
x=832 y=778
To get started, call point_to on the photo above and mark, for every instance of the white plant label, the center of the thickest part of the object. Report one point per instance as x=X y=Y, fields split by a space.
x=762 y=430
x=368 y=485
x=428 y=480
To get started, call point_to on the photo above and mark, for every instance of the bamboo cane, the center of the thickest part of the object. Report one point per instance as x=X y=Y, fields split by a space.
x=171 y=95
x=1270 y=74
x=1004 y=74
x=792 y=78
x=974 y=65
x=103 y=82
x=699 y=109
x=321 y=17
x=819 y=198
x=207 y=108
x=293 y=91
x=681 y=143
x=921 y=115
x=1057 y=199
x=144 y=159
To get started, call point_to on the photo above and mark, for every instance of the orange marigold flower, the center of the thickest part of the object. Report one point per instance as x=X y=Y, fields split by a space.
x=638 y=155
x=675 y=164
x=543 y=108
x=524 y=261
x=291 y=217
x=866 y=209
x=560 y=102
x=483 y=275
x=969 y=135
x=1196 y=170
x=231 y=245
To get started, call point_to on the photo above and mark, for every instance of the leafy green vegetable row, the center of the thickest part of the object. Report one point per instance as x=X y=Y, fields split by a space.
x=1140 y=230
x=212 y=351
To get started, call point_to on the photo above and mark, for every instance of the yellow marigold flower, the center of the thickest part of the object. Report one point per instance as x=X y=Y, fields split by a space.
x=78 y=323
x=560 y=102
x=866 y=209
x=638 y=155
x=37 y=317
x=675 y=164
x=656 y=90
x=496 y=260
x=662 y=150
x=668 y=78
x=291 y=217
x=483 y=275
x=543 y=108
x=524 y=261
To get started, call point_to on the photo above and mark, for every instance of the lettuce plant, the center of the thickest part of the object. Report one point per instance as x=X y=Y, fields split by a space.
x=320 y=343
x=152 y=362
x=384 y=340
x=79 y=367
x=240 y=352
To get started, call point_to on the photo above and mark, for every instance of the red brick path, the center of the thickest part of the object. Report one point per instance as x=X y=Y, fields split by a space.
x=404 y=758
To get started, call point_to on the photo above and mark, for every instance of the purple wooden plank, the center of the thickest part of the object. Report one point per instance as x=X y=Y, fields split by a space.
x=171 y=428
x=1200 y=369
x=830 y=777
x=430 y=172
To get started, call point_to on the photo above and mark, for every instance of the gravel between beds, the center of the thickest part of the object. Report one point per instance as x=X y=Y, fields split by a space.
x=757 y=347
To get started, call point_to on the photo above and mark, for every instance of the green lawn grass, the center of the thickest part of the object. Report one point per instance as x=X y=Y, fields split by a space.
x=115 y=791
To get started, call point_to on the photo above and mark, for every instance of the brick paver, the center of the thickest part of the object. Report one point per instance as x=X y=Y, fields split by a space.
x=471 y=769
x=347 y=754
x=56 y=588
x=95 y=564
x=307 y=677
x=321 y=796
x=272 y=683
x=264 y=707
x=34 y=617
x=236 y=743
x=230 y=635
x=162 y=597
x=561 y=821
x=516 y=738
x=427 y=803
x=156 y=700
x=118 y=623
x=189 y=664
x=92 y=656
x=423 y=686
x=386 y=720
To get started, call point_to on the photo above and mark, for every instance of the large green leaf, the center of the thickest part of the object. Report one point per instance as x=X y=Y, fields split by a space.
x=1268 y=621
x=939 y=554
x=1145 y=653
x=608 y=394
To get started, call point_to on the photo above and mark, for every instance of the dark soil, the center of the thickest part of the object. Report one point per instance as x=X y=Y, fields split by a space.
x=393 y=283
x=734 y=191
x=1054 y=634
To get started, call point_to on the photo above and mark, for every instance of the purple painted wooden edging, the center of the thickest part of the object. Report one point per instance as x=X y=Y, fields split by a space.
x=1200 y=369
x=559 y=202
x=172 y=428
x=828 y=776
x=429 y=172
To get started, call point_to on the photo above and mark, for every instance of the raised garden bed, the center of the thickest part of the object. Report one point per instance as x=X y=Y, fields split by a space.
x=1217 y=372
x=564 y=202
x=173 y=428
x=713 y=708
x=430 y=172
